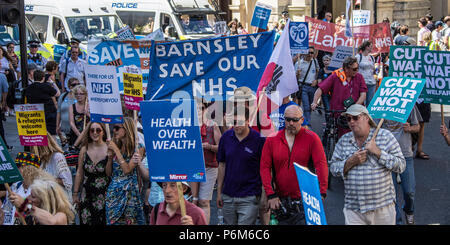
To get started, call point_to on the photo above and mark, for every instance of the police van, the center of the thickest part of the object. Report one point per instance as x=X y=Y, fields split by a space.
x=179 y=19
x=10 y=34
x=57 y=21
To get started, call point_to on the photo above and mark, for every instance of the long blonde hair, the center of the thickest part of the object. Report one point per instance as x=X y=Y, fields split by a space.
x=30 y=174
x=129 y=140
x=46 y=152
x=53 y=198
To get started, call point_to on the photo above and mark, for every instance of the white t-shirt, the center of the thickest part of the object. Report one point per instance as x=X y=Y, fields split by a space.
x=303 y=65
x=57 y=167
x=366 y=68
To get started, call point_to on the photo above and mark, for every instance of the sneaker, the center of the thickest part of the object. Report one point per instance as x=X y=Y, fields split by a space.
x=409 y=219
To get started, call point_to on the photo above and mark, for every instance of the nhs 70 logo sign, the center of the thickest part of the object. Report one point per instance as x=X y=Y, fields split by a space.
x=101 y=88
x=299 y=37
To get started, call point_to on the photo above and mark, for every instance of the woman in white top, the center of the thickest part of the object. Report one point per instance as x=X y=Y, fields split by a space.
x=367 y=68
x=54 y=163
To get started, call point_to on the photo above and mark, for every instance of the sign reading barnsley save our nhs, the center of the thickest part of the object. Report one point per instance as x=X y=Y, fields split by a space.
x=209 y=67
x=395 y=98
x=173 y=140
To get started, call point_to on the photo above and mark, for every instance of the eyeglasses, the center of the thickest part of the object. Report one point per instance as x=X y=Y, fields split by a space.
x=74 y=84
x=79 y=94
x=96 y=130
x=354 y=118
x=117 y=128
x=292 y=119
x=355 y=69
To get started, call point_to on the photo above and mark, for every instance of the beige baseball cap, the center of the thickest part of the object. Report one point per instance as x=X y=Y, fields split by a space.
x=356 y=110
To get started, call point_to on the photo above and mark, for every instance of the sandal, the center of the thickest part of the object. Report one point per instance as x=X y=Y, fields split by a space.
x=422 y=155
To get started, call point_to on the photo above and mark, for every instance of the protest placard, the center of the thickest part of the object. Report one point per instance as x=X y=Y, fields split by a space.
x=299 y=37
x=132 y=87
x=406 y=61
x=31 y=124
x=8 y=169
x=339 y=55
x=327 y=36
x=173 y=140
x=125 y=34
x=209 y=67
x=261 y=15
x=395 y=98
x=103 y=93
x=436 y=69
x=361 y=17
x=311 y=198
x=120 y=54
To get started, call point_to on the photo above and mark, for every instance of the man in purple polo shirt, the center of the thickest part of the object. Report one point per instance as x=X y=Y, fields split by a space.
x=239 y=185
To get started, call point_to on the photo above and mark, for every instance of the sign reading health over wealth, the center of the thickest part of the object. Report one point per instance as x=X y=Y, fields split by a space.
x=311 y=198
x=8 y=169
x=173 y=140
x=299 y=37
x=436 y=68
x=261 y=15
x=31 y=124
x=395 y=98
x=209 y=67
x=104 y=96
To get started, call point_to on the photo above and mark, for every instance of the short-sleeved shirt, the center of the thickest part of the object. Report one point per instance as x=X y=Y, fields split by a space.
x=64 y=103
x=75 y=69
x=3 y=84
x=242 y=159
x=341 y=91
x=303 y=65
x=41 y=93
x=366 y=68
x=196 y=213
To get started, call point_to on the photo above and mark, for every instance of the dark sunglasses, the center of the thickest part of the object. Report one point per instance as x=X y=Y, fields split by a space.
x=311 y=52
x=354 y=118
x=96 y=130
x=292 y=119
x=117 y=127
x=355 y=69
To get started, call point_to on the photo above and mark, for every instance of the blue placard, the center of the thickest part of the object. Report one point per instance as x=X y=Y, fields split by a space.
x=261 y=16
x=209 y=68
x=395 y=98
x=311 y=198
x=173 y=141
x=299 y=37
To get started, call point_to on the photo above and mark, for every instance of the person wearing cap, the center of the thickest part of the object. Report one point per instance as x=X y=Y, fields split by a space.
x=34 y=57
x=168 y=212
x=73 y=67
x=292 y=144
x=284 y=17
x=436 y=37
x=366 y=164
x=239 y=186
x=74 y=42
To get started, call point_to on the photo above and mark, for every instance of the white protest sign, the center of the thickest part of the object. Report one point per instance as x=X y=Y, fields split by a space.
x=104 y=96
x=125 y=34
x=361 y=17
x=339 y=55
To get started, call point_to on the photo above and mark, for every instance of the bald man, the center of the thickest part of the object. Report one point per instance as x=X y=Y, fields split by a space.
x=292 y=144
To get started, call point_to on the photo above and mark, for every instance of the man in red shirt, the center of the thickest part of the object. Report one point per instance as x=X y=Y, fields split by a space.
x=292 y=144
x=168 y=212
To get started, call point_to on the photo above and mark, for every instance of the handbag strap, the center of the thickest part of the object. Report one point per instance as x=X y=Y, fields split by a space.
x=307 y=72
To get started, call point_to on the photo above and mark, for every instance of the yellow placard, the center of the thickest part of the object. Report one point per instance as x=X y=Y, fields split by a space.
x=31 y=123
x=132 y=85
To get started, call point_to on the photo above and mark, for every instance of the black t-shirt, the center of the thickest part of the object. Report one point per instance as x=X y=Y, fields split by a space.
x=41 y=93
x=322 y=75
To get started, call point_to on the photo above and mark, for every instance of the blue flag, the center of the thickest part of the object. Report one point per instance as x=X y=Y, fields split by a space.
x=209 y=67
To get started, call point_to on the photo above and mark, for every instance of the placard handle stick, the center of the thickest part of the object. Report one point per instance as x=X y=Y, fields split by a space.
x=21 y=218
x=259 y=104
x=378 y=128
x=108 y=133
x=181 y=197
x=157 y=91
x=84 y=120
x=136 y=131
x=442 y=114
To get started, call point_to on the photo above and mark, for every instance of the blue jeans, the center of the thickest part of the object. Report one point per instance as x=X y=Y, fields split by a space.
x=307 y=100
x=371 y=89
x=408 y=186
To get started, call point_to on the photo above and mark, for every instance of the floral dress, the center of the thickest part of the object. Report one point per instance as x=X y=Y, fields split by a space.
x=123 y=200
x=95 y=184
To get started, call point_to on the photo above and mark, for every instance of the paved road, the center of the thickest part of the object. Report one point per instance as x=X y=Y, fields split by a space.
x=432 y=176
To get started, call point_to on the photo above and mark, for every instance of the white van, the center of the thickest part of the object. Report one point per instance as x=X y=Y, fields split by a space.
x=56 y=21
x=189 y=19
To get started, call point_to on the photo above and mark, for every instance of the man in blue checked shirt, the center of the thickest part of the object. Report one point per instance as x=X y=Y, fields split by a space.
x=366 y=165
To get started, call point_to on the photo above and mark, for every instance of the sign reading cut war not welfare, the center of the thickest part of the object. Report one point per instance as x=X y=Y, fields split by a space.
x=8 y=169
x=395 y=98
x=31 y=124
x=173 y=140
x=209 y=67
x=436 y=68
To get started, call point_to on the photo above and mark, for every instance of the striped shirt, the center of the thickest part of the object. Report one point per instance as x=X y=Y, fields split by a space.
x=368 y=186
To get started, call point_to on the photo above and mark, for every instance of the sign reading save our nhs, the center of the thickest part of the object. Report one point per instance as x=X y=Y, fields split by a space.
x=209 y=68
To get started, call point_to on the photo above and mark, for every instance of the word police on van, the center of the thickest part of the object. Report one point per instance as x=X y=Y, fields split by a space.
x=124 y=5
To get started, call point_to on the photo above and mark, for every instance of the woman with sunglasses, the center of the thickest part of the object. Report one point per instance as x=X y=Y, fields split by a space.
x=124 y=205
x=91 y=174
x=65 y=101
x=78 y=113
